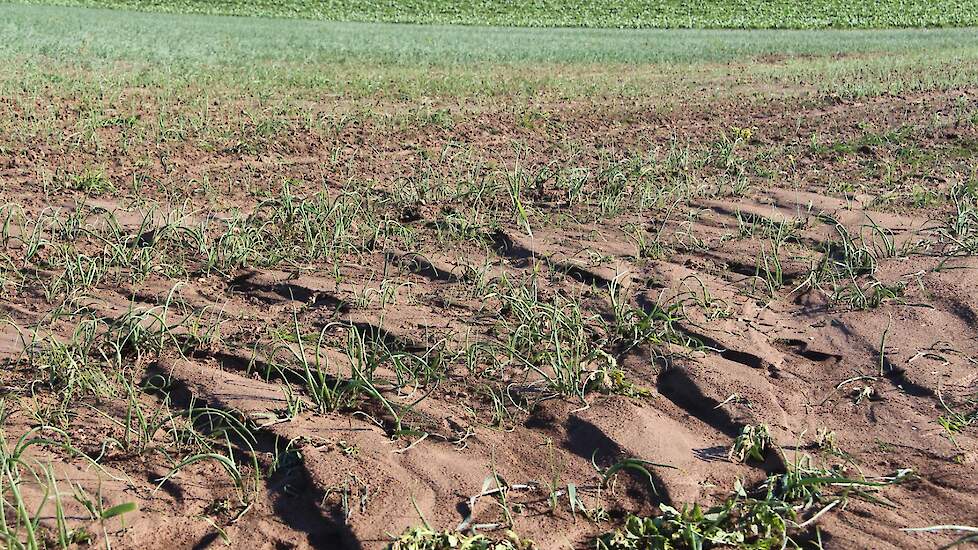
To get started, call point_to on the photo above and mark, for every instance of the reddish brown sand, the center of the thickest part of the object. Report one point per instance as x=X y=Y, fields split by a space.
x=785 y=356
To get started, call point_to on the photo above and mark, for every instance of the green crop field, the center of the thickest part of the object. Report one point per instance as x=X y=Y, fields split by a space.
x=741 y=14
x=84 y=35
x=41 y=43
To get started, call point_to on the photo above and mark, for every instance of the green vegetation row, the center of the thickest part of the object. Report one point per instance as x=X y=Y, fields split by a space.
x=94 y=36
x=664 y=14
x=58 y=48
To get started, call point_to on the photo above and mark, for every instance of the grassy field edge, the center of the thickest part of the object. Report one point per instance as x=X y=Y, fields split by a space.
x=662 y=14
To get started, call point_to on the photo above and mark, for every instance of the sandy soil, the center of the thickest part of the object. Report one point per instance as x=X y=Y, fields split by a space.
x=788 y=357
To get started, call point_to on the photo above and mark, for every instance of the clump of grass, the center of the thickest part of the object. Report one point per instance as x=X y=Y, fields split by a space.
x=572 y=352
x=869 y=296
x=656 y=324
x=754 y=225
x=555 y=339
x=847 y=271
x=326 y=391
x=959 y=232
x=91 y=182
x=349 y=382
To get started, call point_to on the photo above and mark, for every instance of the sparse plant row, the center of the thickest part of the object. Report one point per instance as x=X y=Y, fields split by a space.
x=572 y=354
x=609 y=180
x=844 y=266
x=290 y=228
x=322 y=227
x=111 y=362
x=571 y=351
x=81 y=369
x=612 y=183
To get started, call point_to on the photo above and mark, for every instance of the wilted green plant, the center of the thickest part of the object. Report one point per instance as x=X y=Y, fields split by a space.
x=763 y=517
x=753 y=443
x=424 y=538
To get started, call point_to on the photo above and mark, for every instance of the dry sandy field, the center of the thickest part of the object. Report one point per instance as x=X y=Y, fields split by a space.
x=275 y=284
